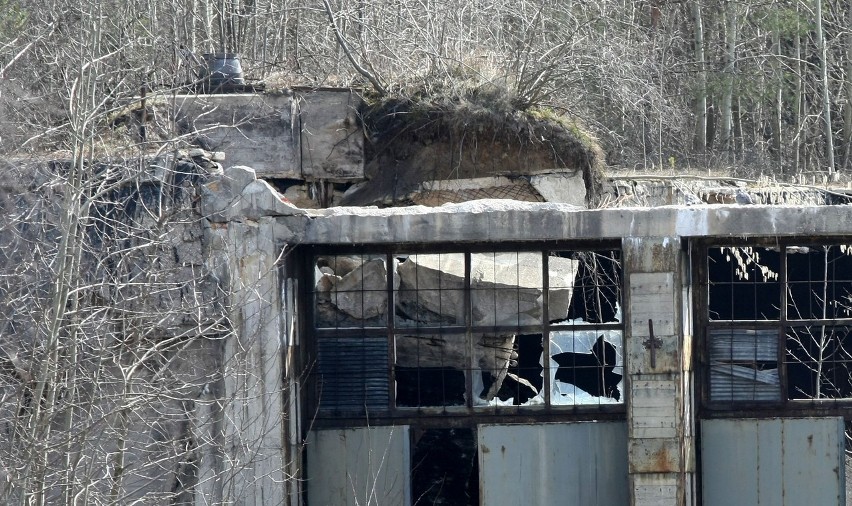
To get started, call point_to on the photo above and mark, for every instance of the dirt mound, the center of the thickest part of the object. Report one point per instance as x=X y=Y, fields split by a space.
x=414 y=140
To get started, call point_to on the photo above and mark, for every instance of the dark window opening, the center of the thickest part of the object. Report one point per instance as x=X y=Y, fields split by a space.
x=819 y=363
x=429 y=386
x=523 y=380
x=798 y=300
x=444 y=467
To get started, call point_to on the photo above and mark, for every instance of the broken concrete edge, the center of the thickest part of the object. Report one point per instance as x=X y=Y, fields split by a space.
x=238 y=194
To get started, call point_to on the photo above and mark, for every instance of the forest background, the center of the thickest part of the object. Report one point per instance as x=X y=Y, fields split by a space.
x=111 y=315
x=761 y=86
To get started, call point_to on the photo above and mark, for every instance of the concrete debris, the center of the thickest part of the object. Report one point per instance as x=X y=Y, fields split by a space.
x=362 y=293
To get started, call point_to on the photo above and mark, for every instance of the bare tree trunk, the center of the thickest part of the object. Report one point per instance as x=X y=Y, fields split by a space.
x=778 y=108
x=798 y=145
x=847 y=111
x=729 y=19
x=700 y=107
x=826 y=93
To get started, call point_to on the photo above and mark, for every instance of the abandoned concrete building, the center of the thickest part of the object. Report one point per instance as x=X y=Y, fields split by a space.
x=478 y=349
x=505 y=352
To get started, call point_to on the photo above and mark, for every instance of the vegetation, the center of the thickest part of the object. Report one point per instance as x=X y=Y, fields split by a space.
x=762 y=86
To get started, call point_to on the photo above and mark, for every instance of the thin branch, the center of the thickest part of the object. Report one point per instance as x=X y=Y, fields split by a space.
x=361 y=70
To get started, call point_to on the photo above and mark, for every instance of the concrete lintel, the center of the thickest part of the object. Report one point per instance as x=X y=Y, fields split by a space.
x=651 y=254
x=499 y=220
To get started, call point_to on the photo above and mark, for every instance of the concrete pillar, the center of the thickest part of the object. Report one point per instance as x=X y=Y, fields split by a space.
x=660 y=461
x=252 y=422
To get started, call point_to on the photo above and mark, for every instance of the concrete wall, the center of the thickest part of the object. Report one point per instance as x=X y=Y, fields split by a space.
x=305 y=135
x=660 y=448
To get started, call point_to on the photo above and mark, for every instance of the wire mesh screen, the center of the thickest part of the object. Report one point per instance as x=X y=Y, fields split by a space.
x=467 y=329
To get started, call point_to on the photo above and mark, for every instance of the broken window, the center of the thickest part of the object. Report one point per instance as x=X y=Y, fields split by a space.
x=396 y=330
x=778 y=321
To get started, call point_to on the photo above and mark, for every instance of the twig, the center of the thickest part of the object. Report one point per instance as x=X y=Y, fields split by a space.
x=361 y=70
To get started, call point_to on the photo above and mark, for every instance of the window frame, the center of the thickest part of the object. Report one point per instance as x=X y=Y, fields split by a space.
x=700 y=249
x=456 y=415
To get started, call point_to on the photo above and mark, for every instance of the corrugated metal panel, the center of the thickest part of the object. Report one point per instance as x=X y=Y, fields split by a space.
x=736 y=383
x=777 y=462
x=364 y=467
x=743 y=365
x=352 y=373
x=582 y=464
x=743 y=345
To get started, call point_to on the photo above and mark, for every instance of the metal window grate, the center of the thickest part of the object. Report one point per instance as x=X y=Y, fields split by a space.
x=352 y=374
x=778 y=322
x=466 y=330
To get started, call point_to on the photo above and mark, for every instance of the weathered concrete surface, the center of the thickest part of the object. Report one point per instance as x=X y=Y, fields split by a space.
x=253 y=465
x=562 y=187
x=238 y=194
x=303 y=135
x=332 y=141
x=500 y=220
x=657 y=411
x=260 y=131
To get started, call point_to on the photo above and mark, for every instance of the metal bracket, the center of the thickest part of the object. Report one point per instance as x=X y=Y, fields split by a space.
x=653 y=343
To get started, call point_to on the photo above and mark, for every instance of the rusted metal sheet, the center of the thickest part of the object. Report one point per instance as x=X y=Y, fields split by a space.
x=365 y=466
x=779 y=461
x=583 y=464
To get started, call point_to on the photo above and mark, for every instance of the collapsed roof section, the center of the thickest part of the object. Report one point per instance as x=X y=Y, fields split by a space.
x=330 y=147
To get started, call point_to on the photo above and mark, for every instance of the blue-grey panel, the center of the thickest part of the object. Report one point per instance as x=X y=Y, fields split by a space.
x=777 y=462
x=358 y=467
x=570 y=464
x=352 y=373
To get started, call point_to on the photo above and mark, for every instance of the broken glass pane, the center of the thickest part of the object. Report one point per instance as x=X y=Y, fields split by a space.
x=584 y=285
x=521 y=383
x=586 y=367
x=495 y=374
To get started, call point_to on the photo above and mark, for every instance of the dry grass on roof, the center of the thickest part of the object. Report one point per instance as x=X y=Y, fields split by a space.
x=476 y=133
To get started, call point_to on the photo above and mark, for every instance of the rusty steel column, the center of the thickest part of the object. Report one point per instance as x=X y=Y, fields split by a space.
x=660 y=442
